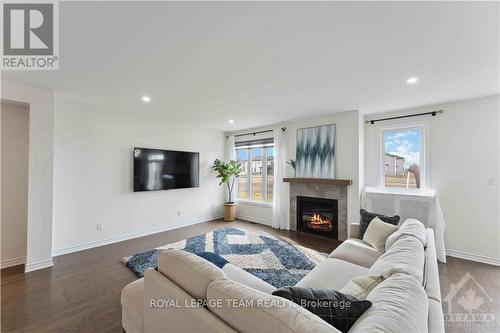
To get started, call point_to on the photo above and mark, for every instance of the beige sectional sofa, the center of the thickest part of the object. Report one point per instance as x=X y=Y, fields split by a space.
x=232 y=300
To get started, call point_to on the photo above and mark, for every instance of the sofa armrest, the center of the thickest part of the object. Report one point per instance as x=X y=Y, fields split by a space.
x=166 y=306
x=353 y=230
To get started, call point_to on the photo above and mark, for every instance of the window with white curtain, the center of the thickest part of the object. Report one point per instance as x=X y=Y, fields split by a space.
x=256 y=180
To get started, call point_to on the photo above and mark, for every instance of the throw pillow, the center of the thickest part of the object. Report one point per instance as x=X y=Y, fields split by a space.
x=367 y=217
x=377 y=232
x=361 y=286
x=338 y=309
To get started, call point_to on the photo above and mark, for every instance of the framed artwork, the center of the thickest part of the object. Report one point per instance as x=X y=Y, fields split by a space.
x=315 y=152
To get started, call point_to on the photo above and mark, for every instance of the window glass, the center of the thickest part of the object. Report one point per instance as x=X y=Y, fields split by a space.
x=257 y=173
x=402 y=156
x=257 y=177
x=242 y=156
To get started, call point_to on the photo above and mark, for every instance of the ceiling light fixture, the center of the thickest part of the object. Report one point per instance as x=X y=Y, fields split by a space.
x=146 y=99
x=231 y=121
x=412 y=80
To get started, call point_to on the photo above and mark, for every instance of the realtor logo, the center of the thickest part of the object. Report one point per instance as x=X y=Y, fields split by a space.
x=30 y=36
x=467 y=306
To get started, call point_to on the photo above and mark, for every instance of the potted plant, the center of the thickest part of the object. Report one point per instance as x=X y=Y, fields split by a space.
x=228 y=172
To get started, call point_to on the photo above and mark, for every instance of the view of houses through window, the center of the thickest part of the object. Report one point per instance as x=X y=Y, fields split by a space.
x=402 y=152
x=256 y=180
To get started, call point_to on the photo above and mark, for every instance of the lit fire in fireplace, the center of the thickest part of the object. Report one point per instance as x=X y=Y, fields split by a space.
x=319 y=222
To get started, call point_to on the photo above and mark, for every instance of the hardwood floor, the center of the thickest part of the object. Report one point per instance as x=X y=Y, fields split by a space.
x=81 y=293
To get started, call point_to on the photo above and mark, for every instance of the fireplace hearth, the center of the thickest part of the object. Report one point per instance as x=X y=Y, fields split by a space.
x=317 y=216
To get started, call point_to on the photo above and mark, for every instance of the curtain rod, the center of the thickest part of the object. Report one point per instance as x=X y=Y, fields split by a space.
x=432 y=113
x=255 y=133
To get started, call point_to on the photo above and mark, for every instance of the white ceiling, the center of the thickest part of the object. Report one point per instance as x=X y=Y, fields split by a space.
x=262 y=63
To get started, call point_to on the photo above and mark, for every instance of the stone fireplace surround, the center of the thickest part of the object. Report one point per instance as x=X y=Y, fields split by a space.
x=320 y=188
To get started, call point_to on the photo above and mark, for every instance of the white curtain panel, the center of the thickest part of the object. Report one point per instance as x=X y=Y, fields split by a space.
x=279 y=213
x=230 y=153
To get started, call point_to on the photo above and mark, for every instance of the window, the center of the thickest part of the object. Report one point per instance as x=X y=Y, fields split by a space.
x=256 y=180
x=403 y=157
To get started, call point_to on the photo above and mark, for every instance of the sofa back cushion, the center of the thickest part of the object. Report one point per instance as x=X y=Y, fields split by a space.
x=406 y=255
x=249 y=310
x=188 y=271
x=399 y=304
x=410 y=227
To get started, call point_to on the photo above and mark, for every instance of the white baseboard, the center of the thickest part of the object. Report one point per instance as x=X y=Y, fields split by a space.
x=473 y=257
x=253 y=219
x=38 y=265
x=12 y=262
x=116 y=239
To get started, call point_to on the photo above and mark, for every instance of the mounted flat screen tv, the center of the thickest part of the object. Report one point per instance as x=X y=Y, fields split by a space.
x=157 y=169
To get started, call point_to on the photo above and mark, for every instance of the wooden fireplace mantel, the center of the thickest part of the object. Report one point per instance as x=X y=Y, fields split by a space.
x=325 y=181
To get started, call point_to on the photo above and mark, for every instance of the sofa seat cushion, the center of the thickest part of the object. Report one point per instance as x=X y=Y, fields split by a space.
x=189 y=271
x=249 y=310
x=405 y=256
x=331 y=274
x=356 y=252
x=399 y=304
x=132 y=300
x=241 y=276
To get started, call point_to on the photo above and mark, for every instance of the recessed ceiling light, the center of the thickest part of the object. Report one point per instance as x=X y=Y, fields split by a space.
x=231 y=121
x=412 y=80
x=146 y=99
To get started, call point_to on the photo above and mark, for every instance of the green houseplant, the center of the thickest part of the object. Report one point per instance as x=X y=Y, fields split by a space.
x=227 y=173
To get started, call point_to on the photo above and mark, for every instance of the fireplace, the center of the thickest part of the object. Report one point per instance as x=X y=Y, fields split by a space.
x=317 y=216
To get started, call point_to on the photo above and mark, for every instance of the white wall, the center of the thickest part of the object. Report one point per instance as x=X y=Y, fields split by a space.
x=15 y=161
x=347 y=161
x=41 y=135
x=259 y=213
x=93 y=176
x=464 y=169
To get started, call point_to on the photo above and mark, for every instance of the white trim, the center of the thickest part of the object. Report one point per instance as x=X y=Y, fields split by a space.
x=255 y=203
x=473 y=257
x=253 y=219
x=38 y=265
x=12 y=262
x=101 y=242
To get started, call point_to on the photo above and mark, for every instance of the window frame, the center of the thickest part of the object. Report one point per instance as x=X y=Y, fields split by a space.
x=424 y=127
x=249 y=200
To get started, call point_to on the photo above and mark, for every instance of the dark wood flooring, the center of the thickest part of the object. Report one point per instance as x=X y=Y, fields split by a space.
x=81 y=292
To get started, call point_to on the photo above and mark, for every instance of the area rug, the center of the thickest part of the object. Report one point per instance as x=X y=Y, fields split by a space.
x=273 y=260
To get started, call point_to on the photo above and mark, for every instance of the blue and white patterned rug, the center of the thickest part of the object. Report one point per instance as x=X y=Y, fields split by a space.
x=273 y=260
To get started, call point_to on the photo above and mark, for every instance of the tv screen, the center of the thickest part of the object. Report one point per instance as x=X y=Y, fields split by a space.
x=157 y=169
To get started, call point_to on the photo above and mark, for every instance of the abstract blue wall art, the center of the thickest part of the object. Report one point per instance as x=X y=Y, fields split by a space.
x=316 y=152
